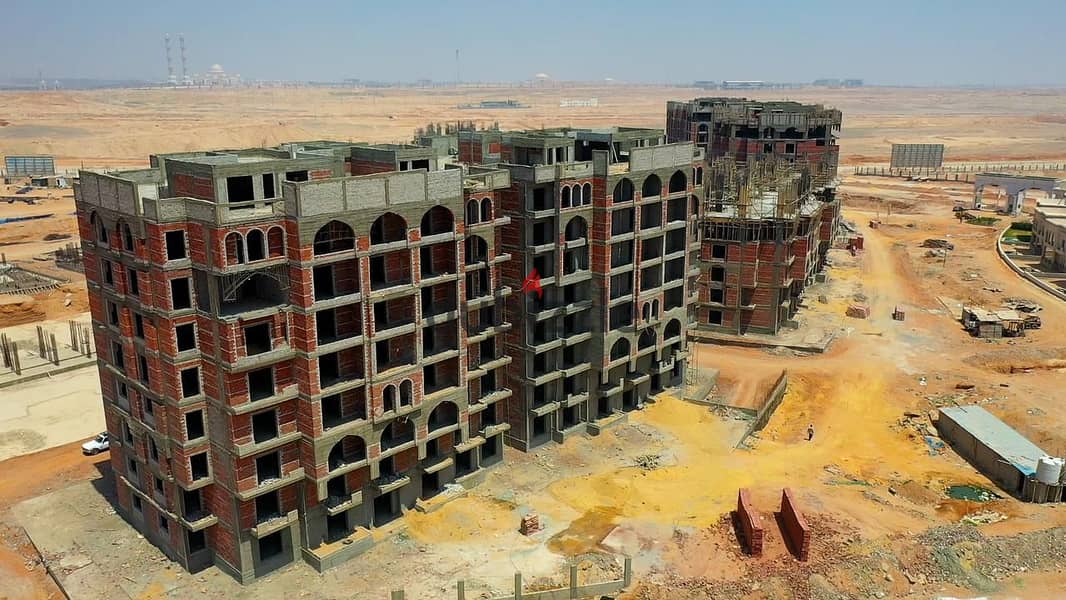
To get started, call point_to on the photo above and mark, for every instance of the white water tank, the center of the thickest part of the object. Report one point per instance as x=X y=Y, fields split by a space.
x=1049 y=470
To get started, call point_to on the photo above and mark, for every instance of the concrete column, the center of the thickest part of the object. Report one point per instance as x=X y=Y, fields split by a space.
x=977 y=198
x=517 y=586
x=573 y=582
x=460 y=590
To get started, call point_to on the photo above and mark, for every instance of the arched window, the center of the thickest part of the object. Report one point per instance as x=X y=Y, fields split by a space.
x=678 y=182
x=437 y=220
x=698 y=176
x=276 y=242
x=647 y=339
x=407 y=393
x=623 y=191
x=564 y=197
x=655 y=309
x=620 y=349
x=388 y=398
x=645 y=311
x=99 y=229
x=334 y=237
x=653 y=186
x=673 y=329
x=486 y=210
x=576 y=229
x=445 y=414
x=477 y=249
x=234 y=249
x=127 y=237
x=256 y=243
x=400 y=431
x=388 y=228
x=347 y=451
x=586 y=194
x=471 y=212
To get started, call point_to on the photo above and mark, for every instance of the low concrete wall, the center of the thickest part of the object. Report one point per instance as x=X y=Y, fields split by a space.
x=1053 y=290
x=794 y=526
x=570 y=592
x=749 y=524
x=773 y=400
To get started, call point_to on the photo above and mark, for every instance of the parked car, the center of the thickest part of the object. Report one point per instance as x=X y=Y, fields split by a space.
x=97 y=445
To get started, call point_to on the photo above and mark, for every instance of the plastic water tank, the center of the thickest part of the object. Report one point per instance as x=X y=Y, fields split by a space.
x=1049 y=470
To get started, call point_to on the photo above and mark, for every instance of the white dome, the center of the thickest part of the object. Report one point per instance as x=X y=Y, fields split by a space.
x=216 y=68
x=541 y=76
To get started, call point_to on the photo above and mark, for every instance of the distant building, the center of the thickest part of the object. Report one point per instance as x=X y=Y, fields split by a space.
x=917 y=156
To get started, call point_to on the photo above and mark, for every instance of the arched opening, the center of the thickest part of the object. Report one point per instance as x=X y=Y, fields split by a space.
x=349 y=450
x=645 y=311
x=388 y=398
x=256 y=243
x=400 y=431
x=437 y=220
x=586 y=194
x=701 y=134
x=444 y=415
x=477 y=250
x=255 y=291
x=407 y=393
x=655 y=309
x=564 y=197
x=694 y=205
x=99 y=229
x=576 y=229
x=234 y=249
x=334 y=237
x=486 y=210
x=620 y=349
x=388 y=228
x=276 y=242
x=678 y=182
x=647 y=339
x=673 y=329
x=623 y=191
x=471 y=212
x=127 y=236
x=698 y=176
x=652 y=186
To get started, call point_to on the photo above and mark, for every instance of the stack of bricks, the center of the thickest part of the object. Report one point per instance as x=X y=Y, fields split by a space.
x=530 y=524
x=796 y=530
x=750 y=524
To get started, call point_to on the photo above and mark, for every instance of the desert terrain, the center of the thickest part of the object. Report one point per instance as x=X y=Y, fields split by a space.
x=659 y=487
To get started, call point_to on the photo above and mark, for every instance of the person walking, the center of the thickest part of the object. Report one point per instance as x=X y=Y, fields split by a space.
x=810 y=432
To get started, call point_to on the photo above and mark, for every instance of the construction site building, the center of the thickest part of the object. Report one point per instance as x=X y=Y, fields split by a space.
x=606 y=219
x=291 y=356
x=771 y=211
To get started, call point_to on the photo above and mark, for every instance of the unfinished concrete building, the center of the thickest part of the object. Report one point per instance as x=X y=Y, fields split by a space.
x=606 y=219
x=771 y=212
x=291 y=356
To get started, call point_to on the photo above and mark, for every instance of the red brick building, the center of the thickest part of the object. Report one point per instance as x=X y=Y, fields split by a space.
x=771 y=212
x=290 y=356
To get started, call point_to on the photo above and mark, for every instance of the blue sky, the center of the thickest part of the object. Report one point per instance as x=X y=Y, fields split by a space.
x=907 y=42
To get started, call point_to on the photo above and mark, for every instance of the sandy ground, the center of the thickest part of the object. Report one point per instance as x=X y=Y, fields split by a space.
x=122 y=127
x=50 y=412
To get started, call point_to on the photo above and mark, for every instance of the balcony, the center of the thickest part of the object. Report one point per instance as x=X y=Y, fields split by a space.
x=277 y=523
x=338 y=504
x=271 y=485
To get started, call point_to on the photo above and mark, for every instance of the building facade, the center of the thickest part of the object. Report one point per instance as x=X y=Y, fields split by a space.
x=771 y=212
x=1048 y=239
x=289 y=355
x=606 y=219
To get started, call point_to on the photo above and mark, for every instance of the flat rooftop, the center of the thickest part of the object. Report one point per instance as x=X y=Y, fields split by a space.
x=998 y=436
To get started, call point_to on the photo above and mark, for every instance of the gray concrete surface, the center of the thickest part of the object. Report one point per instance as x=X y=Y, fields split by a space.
x=50 y=412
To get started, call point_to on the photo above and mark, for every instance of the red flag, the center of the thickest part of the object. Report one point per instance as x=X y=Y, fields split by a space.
x=532 y=283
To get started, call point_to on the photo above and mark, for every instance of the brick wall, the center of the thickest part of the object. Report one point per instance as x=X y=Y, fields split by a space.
x=796 y=530
x=750 y=524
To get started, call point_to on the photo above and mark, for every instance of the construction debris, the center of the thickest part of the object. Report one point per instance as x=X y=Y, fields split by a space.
x=858 y=311
x=530 y=524
x=935 y=243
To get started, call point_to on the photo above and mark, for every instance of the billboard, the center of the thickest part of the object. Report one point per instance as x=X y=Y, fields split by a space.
x=917 y=156
x=37 y=164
